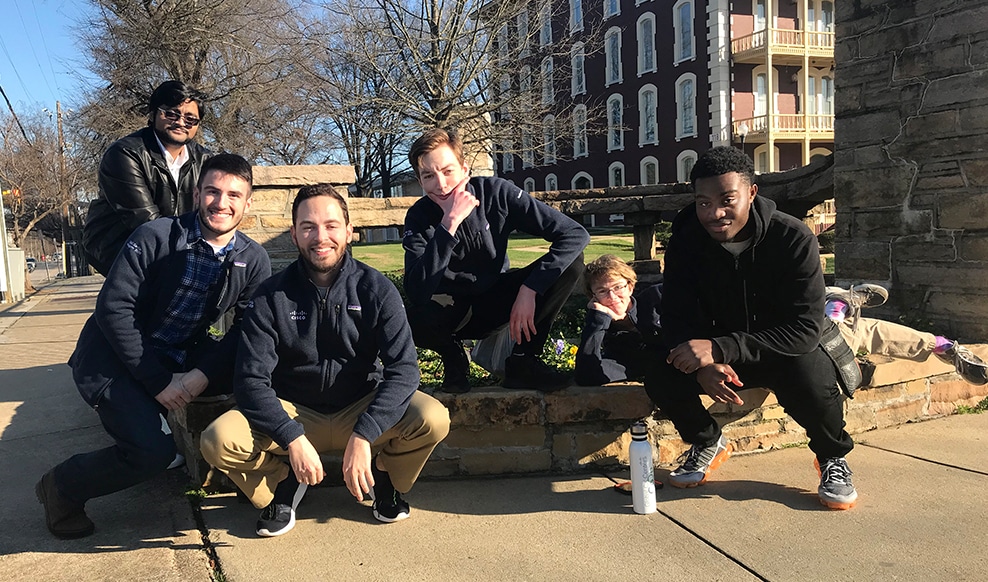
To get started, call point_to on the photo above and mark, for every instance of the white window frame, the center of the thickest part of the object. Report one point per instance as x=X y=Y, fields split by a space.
x=611 y=8
x=527 y=151
x=641 y=169
x=529 y=185
x=685 y=111
x=551 y=183
x=761 y=101
x=643 y=115
x=681 y=175
x=508 y=157
x=575 y=16
x=613 y=66
x=578 y=82
x=549 y=139
x=581 y=147
x=579 y=175
x=548 y=88
x=615 y=128
x=678 y=33
x=761 y=150
x=545 y=23
x=646 y=44
x=610 y=175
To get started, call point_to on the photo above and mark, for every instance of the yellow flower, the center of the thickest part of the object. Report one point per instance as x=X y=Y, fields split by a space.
x=573 y=350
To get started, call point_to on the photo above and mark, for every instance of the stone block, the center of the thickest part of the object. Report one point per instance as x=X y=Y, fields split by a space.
x=939 y=183
x=295 y=176
x=863 y=260
x=891 y=36
x=187 y=425
x=596 y=403
x=973 y=247
x=871 y=126
x=275 y=222
x=941 y=123
x=960 y=276
x=969 y=18
x=441 y=467
x=873 y=187
x=900 y=412
x=976 y=172
x=379 y=218
x=952 y=389
x=768 y=442
x=271 y=201
x=931 y=60
x=860 y=419
x=493 y=406
x=502 y=435
x=775 y=412
x=963 y=212
x=955 y=90
x=504 y=461
x=921 y=248
x=847 y=100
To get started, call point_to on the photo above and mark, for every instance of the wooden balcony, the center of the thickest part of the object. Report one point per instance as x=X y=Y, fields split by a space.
x=786 y=127
x=787 y=46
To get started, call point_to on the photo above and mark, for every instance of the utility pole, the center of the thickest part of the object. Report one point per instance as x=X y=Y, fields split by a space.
x=61 y=188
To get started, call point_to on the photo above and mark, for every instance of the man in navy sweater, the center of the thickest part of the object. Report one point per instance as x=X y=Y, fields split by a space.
x=147 y=348
x=456 y=266
x=326 y=363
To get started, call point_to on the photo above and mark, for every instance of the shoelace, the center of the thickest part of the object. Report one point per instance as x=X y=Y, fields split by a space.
x=690 y=459
x=836 y=471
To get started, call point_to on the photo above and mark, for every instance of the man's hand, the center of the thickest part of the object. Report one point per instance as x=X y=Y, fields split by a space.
x=522 y=321
x=195 y=382
x=457 y=206
x=175 y=395
x=605 y=309
x=714 y=380
x=688 y=357
x=357 y=466
x=305 y=461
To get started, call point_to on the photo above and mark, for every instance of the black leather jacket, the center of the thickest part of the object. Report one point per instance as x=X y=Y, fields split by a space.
x=135 y=187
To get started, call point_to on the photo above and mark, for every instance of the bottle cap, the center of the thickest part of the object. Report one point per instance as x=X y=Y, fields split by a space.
x=639 y=430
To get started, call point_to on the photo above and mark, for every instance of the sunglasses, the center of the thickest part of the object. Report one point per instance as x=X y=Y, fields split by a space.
x=173 y=115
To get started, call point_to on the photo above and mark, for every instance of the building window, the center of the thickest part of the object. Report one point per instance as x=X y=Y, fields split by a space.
x=646 y=43
x=762 y=164
x=649 y=170
x=548 y=96
x=522 y=30
x=545 y=23
x=507 y=157
x=612 y=8
x=578 y=86
x=504 y=87
x=760 y=15
x=529 y=185
x=527 y=152
x=615 y=123
x=549 y=139
x=551 y=183
x=683 y=24
x=612 y=56
x=580 y=131
x=615 y=174
x=397 y=191
x=684 y=165
x=582 y=181
x=502 y=42
x=686 y=106
x=575 y=15
x=648 y=130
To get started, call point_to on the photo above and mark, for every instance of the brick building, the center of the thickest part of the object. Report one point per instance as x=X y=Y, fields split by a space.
x=672 y=79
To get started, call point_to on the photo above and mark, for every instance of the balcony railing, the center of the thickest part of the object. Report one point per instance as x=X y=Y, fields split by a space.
x=784 y=40
x=785 y=125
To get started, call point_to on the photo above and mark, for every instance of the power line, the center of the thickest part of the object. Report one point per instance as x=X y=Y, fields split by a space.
x=30 y=44
x=14 y=115
x=3 y=46
x=44 y=43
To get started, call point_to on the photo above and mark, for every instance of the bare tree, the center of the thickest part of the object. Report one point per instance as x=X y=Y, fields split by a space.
x=240 y=53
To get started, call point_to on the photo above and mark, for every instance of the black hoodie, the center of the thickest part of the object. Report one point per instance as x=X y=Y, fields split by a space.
x=766 y=302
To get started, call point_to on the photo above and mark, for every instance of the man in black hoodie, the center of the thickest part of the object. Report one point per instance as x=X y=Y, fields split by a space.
x=457 y=278
x=326 y=363
x=742 y=304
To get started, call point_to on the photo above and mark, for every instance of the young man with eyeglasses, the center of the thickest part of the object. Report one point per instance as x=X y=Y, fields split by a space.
x=620 y=327
x=147 y=174
x=457 y=278
x=148 y=349
x=743 y=305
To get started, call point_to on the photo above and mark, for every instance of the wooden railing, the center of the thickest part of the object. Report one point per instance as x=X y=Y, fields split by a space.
x=784 y=40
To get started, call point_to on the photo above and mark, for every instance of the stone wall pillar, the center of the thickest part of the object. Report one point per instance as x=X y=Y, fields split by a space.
x=270 y=215
x=911 y=159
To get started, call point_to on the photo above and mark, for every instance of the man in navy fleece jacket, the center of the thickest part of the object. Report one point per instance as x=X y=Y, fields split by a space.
x=326 y=362
x=456 y=267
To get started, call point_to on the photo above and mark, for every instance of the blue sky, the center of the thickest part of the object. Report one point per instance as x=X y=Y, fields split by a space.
x=38 y=56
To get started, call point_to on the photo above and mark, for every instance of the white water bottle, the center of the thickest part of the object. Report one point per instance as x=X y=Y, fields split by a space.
x=642 y=470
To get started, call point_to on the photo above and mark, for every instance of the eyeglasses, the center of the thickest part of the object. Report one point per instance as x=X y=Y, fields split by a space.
x=616 y=290
x=173 y=115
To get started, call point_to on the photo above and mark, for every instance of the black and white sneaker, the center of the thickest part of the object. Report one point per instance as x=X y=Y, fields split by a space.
x=388 y=506
x=279 y=516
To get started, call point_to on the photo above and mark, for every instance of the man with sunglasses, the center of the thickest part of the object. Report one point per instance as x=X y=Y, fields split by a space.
x=147 y=174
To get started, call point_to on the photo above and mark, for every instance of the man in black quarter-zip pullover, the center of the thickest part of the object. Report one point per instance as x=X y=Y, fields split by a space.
x=326 y=363
x=742 y=304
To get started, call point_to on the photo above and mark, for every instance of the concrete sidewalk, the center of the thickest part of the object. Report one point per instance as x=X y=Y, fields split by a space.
x=921 y=515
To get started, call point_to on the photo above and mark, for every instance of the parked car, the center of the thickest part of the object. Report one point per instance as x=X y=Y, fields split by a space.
x=32 y=264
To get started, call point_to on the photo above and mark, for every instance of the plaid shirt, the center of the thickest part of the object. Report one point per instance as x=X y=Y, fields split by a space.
x=203 y=269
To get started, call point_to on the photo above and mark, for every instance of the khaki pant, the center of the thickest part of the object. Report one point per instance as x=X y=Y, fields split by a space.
x=876 y=336
x=256 y=464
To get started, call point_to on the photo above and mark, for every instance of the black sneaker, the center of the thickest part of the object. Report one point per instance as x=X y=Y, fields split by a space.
x=455 y=366
x=530 y=373
x=388 y=506
x=967 y=365
x=279 y=516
